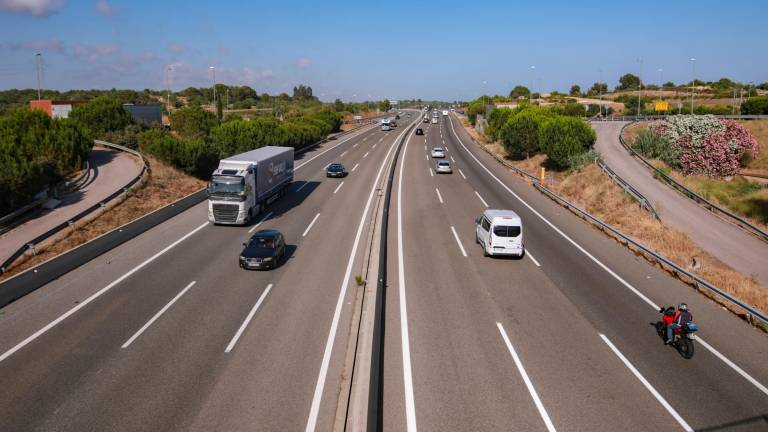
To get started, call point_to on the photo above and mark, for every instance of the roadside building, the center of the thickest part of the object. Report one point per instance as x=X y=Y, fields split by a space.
x=510 y=105
x=148 y=114
x=55 y=108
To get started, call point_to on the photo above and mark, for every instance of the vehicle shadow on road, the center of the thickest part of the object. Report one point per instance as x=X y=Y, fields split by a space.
x=296 y=194
x=751 y=421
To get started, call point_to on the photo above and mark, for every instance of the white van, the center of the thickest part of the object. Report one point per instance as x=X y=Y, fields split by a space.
x=500 y=232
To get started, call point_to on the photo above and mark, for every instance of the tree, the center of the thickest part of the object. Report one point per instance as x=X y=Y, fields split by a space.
x=563 y=138
x=302 y=92
x=520 y=134
x=755 y=105
x=193 y=122
x=668 y=84
x=103 y=114
x=519 y=91
x=575 y=90
x=597 y=89
x=628 y=82
x=385 y=105
x=219 y=109
x=338 y=105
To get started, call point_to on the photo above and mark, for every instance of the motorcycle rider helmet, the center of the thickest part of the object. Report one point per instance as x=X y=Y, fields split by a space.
x=683 y=307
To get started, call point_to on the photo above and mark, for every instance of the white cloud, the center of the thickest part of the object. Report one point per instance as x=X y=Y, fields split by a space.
x=177 y=48
x=104 y=8
x=266 y=74
x=38 y=8
x=303 y=63
x=94 y=52
x=50 y=45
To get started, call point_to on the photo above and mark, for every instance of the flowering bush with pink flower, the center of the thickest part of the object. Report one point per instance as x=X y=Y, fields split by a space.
x=706 y=145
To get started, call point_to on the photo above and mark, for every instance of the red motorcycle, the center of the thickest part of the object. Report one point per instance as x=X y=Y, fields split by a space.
x=682 y=337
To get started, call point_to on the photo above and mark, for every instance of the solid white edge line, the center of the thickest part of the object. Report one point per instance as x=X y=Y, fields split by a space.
x=410 y=405
x=260 y=222
x=314 y=409
x=456 y=236
x=302 y=186
x=96 y=295
x=309 y=227
x=338 y=187
x=481 y=198
x=462 y=174
x=157 y=315
x=621 y=280
x=526 y=379
x=247 y=320
x=440 y=197
x=530 y=255
x=431 y=173
x=647 y=385
x=326 y=151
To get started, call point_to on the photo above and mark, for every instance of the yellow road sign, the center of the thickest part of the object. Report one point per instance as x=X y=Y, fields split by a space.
x=661 y=106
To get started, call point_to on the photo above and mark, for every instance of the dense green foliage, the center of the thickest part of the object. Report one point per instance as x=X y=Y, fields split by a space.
x=628 y=82
x=655 y=146
x=755 y=105
x=475 y=107
x=496 y=119
x=37 y=151
x=519 y=91
x=563 y=139
x=20 y=97
x=193 y=122
x=575 y=90
x=520 y=134
x=102 y=115
x=597 y=89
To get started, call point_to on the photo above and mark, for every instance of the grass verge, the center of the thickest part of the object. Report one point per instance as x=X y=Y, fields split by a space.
x=163 y=185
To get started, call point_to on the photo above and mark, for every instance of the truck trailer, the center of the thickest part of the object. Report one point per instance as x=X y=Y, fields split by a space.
x=244 y=184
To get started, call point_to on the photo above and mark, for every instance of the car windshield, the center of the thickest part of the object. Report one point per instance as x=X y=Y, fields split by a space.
x=506 y=231
x=262 y=242
x=226 y=185
x=335 y=168
x=437 y=149
x=443 y=163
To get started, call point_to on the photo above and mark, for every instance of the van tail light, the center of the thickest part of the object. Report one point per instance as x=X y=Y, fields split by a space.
x=490 y=240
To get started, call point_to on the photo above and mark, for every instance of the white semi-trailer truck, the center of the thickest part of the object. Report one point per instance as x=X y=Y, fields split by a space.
x=244 y=184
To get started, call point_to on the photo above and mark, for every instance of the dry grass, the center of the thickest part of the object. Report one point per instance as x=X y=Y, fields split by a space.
x=591 y=190
x=759 y=128
x=163 y=186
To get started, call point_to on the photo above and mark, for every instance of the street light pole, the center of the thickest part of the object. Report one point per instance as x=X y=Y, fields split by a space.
x=213 y=70
x=168 y=87
x=693 y=81
x=39 y=67
x=530 y=90
x=639 y=87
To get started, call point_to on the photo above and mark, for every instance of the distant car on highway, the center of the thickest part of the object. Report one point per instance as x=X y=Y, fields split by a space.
x=385 y=127
x=335 y=170
x=426 y=119
x=419 y=131
x=500 y=232
x=434 y=120
x=443 y=167
x=264 y=250
x=438 y=152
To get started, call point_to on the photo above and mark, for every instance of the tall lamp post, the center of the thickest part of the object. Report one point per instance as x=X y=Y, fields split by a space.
x=530 y=90
x=39 y=67
x=693 y=81
x=168 y=87
x=640 y=88
x=213 y=71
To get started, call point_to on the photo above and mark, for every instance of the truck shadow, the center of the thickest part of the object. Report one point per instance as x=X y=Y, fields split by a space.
x=752 y=421
x=297 y=193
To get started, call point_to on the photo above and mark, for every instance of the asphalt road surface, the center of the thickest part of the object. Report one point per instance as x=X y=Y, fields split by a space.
x=725 y=240
x=188 y=340
x=166 y=333
x=558 y=340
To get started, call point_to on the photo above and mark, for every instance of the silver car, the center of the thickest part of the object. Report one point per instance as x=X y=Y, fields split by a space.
x=443 y=167
x=438 y=152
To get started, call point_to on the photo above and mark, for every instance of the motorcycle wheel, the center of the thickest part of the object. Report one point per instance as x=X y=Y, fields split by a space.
x=685 y=346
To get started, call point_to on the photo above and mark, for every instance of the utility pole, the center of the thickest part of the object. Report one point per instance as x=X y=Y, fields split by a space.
x=693 y=81
x=530 y=90
x=639 y=87
x=213 y=70
x=600 y=93
x=39 y=66
x=168 y=86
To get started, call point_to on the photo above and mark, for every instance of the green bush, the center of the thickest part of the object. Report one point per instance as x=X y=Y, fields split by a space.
x=475 y=108
x=193 y=156
x=496 y=120
x=333 y=119
x=563 y=138
x=755 y=105
x=37 y=151
x=655 y=146
x=580 y=160
x=193 y=122
x=520 y=134
x=102 y=115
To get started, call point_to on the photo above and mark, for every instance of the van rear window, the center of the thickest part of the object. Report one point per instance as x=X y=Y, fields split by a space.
x=506 y=231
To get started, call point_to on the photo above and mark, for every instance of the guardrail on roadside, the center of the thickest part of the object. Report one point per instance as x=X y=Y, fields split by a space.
x=709 y=205
x=32 y=244
x=659 y=117
x=628 y=188
x=695 y=280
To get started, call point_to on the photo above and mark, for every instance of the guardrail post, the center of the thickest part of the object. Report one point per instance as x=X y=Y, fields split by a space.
x=31 y=246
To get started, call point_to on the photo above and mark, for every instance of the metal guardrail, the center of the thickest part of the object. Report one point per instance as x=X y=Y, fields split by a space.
x=659 y=117
x=628 y=188
x=696 y=281
x=709 y=205
x=31 y=245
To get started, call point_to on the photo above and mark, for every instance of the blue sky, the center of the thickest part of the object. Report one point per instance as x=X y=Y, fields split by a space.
x=358 y=50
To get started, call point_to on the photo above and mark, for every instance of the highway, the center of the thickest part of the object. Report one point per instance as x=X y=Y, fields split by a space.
x=561 y=339
x=166 y=332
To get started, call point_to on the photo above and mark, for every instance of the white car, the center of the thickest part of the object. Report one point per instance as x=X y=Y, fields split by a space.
x=500 y=232
x=434 y=120
x=438 y=152
x=443 y=167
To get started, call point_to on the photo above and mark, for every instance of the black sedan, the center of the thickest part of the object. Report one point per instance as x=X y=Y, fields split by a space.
x=419 y=131
x=335 y=170
x=264 y=250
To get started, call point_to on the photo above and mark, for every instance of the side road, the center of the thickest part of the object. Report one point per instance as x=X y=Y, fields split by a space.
x=735 y=247
x=109 y=171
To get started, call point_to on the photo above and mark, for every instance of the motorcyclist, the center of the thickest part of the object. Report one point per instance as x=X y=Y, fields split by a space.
x=682 y=317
